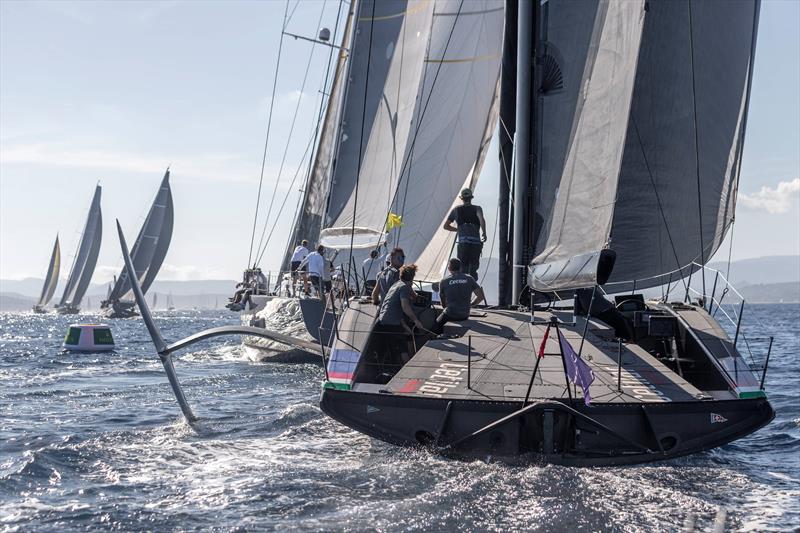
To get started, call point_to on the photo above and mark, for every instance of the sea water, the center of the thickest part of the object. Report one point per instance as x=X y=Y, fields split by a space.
x=96 y=442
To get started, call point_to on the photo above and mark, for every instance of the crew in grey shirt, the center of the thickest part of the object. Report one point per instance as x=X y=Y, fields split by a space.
x=388 y=276
x=455 y=293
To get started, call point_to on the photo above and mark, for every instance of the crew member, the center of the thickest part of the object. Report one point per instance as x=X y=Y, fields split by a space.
x=471 y=229
x=317 y=267
x=395 y=310
x=455 y=293
x=388 y=276
x=370 y=268
x=300 y=253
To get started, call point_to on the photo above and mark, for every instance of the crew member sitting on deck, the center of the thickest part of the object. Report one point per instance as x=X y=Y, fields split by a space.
x=455 y=293
x=388 y=275
x=395 y=310
x=318 y=270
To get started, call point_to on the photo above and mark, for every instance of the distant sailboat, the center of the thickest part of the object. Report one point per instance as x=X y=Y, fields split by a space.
x=85 y=260
x=155 y=300
x=170 y=305
x=50 y=280
x=148 y=253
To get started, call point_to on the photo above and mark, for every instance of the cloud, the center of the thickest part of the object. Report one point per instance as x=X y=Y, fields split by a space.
x=773 y=200
x=168 y=272
x=209 y=166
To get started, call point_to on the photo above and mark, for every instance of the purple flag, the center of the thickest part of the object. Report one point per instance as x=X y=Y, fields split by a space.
x=577 y=369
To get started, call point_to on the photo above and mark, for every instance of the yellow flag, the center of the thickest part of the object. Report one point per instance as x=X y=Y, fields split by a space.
x=393 y=221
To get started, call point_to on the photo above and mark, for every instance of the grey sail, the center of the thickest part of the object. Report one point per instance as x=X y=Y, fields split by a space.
x=641 y=140
x=377 y=39
x=315 y=196
x=86 y=257
x=151 y=245
x=434 y=101
x=680 y=170
x=51 y=279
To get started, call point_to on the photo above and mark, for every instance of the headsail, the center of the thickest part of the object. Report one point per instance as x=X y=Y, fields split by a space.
x=86 y=258
x=430 y=86
x=51 y=279
x=683 y=152
x=152 y=243
x=639 y=138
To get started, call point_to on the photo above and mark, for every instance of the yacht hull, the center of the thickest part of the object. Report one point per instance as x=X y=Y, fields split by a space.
x=549 y=431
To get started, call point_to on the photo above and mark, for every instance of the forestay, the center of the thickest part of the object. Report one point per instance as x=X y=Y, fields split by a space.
x=86 y=258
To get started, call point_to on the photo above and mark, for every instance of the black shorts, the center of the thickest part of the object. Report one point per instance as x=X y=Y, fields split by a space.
x=295 y=264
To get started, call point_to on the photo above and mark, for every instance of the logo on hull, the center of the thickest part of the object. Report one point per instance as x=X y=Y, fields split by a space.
x=717 y=419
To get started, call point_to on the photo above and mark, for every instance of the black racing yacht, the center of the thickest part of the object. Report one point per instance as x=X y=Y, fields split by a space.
x=625 y=123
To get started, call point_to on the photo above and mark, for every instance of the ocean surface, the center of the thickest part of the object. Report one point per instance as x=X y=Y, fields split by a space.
x=96 y=442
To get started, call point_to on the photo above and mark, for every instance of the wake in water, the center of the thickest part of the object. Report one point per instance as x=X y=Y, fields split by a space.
x=97 y=442
x=282 y=315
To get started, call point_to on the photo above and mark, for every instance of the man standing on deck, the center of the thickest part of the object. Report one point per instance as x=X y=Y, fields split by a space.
x=388 y=276
x=300 y=253
x=318 y=270
x=471 y=229
x=369 y=269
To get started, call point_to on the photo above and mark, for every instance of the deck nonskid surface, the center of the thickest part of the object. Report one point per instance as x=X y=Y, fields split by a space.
x=504 y=345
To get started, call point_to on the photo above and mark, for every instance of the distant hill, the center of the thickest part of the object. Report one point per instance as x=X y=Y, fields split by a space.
x=11 y=301
x=761 y=270
x=786 y=292
x=20 y=295
x=32 y=287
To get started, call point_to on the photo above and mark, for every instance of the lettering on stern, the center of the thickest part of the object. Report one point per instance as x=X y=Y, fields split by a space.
x=443 y=379
x=637 y=386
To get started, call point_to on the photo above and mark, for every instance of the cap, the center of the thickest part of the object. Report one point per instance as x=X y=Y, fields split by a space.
x=466 y=193
x=304 y=242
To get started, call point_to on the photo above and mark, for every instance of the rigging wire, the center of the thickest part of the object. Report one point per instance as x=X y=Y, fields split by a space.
x=361 y=137
x=286 y=196
x=696 y=150
x=325 y=92
x=289 y=138
x=658 y=197
x=269 y=129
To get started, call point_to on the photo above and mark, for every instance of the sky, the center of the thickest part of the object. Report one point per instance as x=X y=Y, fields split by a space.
x=114 y=92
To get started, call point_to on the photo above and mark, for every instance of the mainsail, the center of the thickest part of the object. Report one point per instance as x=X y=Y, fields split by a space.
x=51 y=279
x=151 y=245
x=638 y=125
x=415 y=124
x=86 y=258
